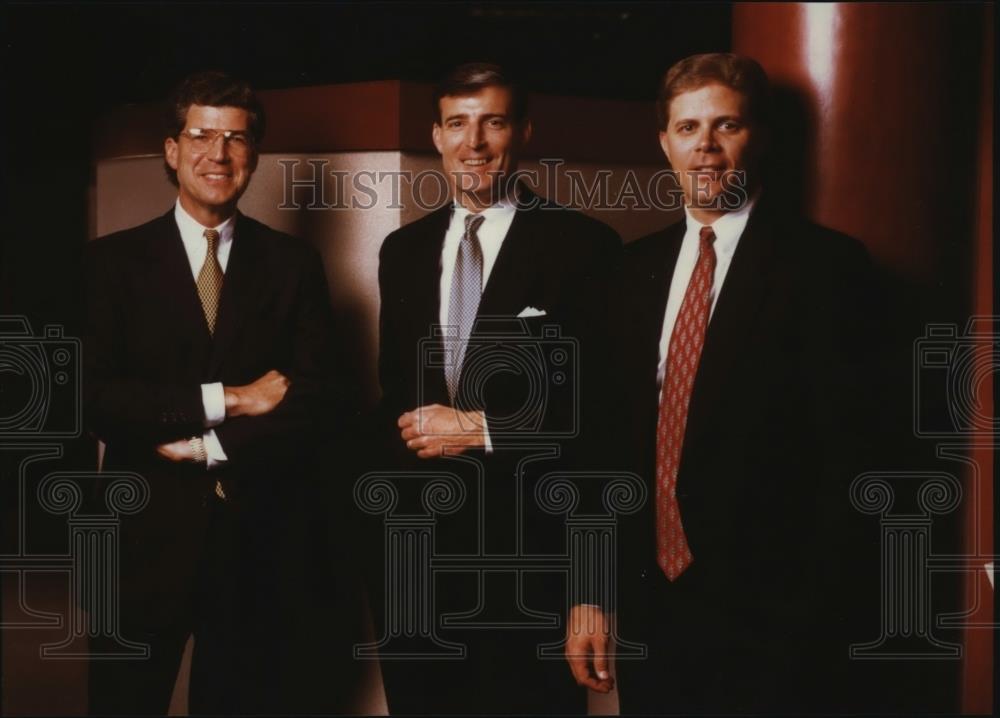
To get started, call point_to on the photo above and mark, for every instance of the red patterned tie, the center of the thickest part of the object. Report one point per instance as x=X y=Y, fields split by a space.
x=686 y=341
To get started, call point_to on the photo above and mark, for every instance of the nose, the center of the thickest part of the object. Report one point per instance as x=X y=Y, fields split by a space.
x=474 y=136
x=219 y=149
x=707 y=141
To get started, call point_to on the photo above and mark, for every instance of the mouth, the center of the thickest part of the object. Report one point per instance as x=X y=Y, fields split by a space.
x=476 y=162
x=216 y=176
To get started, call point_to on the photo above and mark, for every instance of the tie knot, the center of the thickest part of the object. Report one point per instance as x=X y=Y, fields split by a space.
x=707 y=234
x=472 y=224
x=212 y=235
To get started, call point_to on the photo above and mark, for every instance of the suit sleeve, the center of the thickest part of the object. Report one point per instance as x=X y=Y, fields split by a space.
x=845 y=401
x=390 y=364
x=311 y=405
x=119 y=407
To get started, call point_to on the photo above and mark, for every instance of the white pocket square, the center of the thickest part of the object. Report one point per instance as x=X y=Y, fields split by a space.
x=531 y=312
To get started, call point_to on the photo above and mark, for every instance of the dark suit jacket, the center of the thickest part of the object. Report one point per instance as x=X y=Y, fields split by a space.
x=774 y=432
x=147 y=350
x=552 y=259
x=537 y=379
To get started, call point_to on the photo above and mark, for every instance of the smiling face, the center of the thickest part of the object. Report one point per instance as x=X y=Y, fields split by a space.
x=713 y=146
x=212 y=181
x=479 y=141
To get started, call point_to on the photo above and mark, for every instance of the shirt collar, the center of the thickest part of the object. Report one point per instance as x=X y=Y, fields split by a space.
x=192 y=230
x=500 y=209
x=729 y=227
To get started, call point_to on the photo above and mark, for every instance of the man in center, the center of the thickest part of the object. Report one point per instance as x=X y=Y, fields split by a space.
x=499 y=273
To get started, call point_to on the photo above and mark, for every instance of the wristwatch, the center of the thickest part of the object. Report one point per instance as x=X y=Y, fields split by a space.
x=198 y=450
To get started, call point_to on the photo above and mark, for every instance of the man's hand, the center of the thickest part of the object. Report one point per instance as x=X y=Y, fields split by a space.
x=437 y=430
x=257 y=398
x=586 y=643
x=176 y=451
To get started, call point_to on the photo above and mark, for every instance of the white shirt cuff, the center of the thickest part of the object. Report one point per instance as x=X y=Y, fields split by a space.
x=488 y=445
x=215 y=456
x=213 y=397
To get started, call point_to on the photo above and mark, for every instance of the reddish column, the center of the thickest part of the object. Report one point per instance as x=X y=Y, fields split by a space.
x=894 y=120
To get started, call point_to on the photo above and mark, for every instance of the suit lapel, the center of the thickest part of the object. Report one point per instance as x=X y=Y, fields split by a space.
x=506 y=290
x=735 y=313
x=171 y=278
x=649 y=288
x=425 y=273
x=656 y=289
x=238 y=290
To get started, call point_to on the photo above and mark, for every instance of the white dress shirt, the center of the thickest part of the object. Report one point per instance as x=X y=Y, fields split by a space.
x=491 y=233
x=496 y=223
x=728 y=229
x=213 y=396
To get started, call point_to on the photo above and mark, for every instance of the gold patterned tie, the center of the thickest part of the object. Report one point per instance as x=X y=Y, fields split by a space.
x=210 y=280
x=209 y=290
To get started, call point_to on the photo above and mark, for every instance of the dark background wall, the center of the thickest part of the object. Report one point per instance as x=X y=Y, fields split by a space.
x=67 y=65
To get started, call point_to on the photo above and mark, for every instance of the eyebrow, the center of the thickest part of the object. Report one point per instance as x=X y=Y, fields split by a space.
x=721 y=118
x=465 y=116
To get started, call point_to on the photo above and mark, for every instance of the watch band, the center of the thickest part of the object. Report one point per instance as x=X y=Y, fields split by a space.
x=198 y=450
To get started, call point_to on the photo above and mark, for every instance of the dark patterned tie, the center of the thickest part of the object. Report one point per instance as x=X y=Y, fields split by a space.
x=466 y=290
x=210 y=280
x=686 y=342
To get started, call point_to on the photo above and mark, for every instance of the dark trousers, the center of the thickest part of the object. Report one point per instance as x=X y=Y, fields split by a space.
x=515 y=610
x=501 y=671
x=230 y=664
x=738 y=644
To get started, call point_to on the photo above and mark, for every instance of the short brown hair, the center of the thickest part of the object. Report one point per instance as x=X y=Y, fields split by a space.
x=737 y=72
x=212 y=88
x=470 y=78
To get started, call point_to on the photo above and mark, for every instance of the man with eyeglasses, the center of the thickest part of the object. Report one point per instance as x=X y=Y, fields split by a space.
x=207 y=345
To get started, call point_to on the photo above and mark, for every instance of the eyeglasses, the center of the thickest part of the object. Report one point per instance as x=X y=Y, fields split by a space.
x=202 y=140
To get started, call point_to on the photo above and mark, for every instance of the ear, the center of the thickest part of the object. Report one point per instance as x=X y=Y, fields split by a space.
x=253 y=161
x=170 y=152
x=436 y=137
x=526 y=130
x=665 y=146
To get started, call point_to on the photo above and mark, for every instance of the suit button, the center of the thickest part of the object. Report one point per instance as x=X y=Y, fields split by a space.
x=644 y=574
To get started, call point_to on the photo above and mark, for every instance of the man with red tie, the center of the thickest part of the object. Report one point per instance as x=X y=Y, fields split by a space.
x=741 y=358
